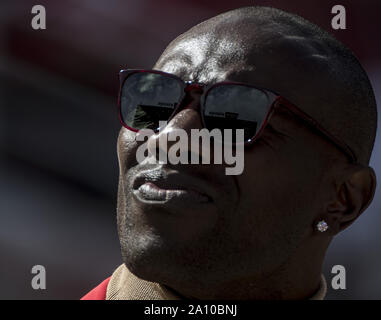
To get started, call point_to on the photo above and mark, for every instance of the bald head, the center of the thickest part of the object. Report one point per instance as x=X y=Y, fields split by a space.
x=289 y=55
x=256 y=236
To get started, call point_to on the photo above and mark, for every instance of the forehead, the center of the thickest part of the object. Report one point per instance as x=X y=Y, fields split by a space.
x=298 y=67
x=287 y=64
x=204 y=58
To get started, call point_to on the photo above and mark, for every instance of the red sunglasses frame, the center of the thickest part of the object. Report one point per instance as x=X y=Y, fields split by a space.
x=276 y=101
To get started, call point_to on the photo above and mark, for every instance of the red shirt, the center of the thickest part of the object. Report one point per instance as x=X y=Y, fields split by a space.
x=99 y=292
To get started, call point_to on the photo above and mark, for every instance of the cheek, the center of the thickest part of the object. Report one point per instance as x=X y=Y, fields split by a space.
x=126 y=149
x=280 y=174
x=276 y=198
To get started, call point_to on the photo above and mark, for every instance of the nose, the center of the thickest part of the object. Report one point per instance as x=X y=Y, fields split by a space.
x=187 y=117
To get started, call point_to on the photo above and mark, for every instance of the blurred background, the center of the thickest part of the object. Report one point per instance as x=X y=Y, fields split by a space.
x=58 y=131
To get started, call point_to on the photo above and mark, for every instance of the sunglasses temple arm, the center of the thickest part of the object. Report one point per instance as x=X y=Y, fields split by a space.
x=315 y=125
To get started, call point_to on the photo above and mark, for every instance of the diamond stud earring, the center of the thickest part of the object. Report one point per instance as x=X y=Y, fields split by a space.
x=322 y=226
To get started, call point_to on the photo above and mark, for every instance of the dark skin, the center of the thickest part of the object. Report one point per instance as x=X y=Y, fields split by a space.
x=257 y=237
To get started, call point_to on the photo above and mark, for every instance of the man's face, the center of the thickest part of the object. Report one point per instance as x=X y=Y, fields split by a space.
x=225 y=228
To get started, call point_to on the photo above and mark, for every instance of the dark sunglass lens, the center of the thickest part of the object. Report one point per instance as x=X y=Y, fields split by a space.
x=147 y=98
x=234 y=107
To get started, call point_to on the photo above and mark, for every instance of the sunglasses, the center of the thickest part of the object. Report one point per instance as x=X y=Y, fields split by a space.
x=149 y=96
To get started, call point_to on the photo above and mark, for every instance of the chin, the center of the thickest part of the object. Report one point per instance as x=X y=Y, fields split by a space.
x=145 y=252
x=153 y=258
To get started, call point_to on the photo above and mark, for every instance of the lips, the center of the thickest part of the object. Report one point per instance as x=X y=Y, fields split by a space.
x=151 y=192
x=163 y=187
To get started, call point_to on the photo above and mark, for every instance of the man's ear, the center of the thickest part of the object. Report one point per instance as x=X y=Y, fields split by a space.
x=354 y=195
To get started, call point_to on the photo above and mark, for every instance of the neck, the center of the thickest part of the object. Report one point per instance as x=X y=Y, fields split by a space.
x=296 y=279
x=279 y=287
